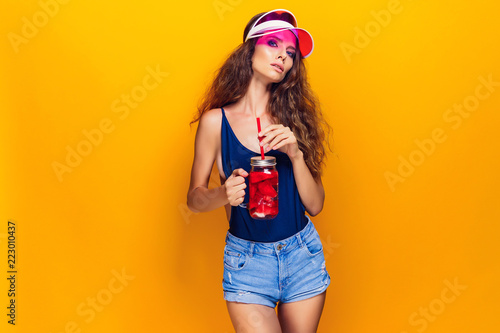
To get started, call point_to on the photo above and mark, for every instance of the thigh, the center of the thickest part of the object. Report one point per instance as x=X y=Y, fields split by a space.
x=301 y=316
x=247 y=318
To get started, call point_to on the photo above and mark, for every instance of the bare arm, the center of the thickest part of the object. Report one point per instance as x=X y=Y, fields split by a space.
x=207 y=143
x=311 y=192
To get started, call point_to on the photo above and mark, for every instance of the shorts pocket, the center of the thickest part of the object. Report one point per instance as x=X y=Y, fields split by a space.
x=313 y=244
x=235 y=259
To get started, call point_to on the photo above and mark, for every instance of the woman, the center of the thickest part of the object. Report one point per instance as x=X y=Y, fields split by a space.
x=276 y=262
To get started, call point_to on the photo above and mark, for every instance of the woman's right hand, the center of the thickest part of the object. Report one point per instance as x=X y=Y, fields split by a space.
x=235 y=187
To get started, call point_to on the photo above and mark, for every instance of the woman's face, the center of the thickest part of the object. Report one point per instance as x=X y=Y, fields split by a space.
x=274 y=55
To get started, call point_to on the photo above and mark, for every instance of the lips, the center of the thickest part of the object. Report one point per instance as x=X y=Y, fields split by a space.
x=278 y=67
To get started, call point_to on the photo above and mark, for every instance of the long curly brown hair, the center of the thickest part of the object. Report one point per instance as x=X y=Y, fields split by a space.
x=292 y=102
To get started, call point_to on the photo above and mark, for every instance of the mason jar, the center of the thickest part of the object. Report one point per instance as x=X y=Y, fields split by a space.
x=263 y=188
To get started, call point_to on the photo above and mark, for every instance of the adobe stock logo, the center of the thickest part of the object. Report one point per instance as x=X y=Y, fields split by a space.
x=223 y=6
x=95 y=136
x=29 y=30
x=428 y=314
x=454 y=115
x=371 y=30
x=94 y=304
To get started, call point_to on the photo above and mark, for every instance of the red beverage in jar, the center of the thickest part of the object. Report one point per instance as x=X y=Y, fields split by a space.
x=263 y=187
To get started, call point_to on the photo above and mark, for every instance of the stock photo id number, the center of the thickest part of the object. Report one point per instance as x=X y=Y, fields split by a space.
x=11 y=271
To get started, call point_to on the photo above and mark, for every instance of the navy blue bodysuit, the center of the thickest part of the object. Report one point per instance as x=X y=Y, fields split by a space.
x=291 y=217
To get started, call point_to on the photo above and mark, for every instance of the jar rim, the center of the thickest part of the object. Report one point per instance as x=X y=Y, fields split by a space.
x=267 y=161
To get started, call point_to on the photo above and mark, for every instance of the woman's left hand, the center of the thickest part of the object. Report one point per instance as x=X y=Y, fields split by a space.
x=281 y=138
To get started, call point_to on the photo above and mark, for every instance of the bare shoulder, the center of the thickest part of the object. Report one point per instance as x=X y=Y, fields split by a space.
x=211 y=119
x=210 y=126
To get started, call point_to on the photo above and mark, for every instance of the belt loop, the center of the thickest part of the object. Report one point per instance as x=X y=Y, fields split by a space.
x=250 y=250
x=299 y=239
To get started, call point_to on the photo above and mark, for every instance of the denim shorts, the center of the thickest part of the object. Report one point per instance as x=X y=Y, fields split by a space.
x=289 y=270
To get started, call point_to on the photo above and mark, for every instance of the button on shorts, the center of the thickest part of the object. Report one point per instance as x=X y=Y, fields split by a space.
x=289 y=270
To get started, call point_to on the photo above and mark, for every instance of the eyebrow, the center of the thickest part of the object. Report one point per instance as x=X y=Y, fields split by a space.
x=281 y=40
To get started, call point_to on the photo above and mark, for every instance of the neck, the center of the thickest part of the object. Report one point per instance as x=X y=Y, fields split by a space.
x=256 y=98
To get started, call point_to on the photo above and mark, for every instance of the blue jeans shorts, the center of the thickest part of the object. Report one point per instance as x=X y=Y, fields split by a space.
x=289 y=270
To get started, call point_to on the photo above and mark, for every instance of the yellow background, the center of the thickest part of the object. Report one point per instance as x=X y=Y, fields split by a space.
x=390 y=251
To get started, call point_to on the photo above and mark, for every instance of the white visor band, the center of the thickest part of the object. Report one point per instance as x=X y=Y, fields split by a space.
x=269 y=25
